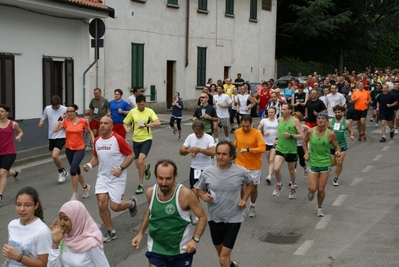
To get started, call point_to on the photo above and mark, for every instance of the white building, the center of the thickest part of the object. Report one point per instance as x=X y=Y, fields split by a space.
x=165 y=46
x=44 y=51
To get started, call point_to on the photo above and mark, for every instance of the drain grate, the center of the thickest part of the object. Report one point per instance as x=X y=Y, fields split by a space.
x=280 y=239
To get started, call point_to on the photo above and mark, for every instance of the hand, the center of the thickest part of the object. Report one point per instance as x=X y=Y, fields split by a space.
x=116 y=171
x=286 y=135
x=243 y=150
x=306 y=156
x=207 y=197
x=10 y=252
x=352 y=137
x=266 y=133
x=56 y=232
x=120 y=110
x=337 y=154
x=191 y=246
x=86 y=167
x=242 y=204
x=136 y=241
x=18 y=138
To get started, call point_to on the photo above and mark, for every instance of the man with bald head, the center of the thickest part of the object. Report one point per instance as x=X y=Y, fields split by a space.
x=113 y=155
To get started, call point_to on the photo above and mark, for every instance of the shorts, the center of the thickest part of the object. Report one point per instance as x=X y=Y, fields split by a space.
x=119 y=129
x=343 y=149
x=224 y=233
x=224 y=121
x=288 y=157
x=94 y=125
x=319 y=169
x=56 y=143
x=373 y=107
x=311 y=124
x=268 y=148
x=115 y=187
x=181 y=260
x=141 y=147
x=6 y=161
x=397 y=112
x=193 y=180
x=350 y=115
x=255 y=175
x=386 y=116
x=359 y=114
x=261 y=113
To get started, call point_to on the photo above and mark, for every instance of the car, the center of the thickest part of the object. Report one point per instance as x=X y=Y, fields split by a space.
x=282 y=82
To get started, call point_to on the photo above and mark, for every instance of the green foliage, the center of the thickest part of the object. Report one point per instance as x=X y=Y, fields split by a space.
x=387 y=53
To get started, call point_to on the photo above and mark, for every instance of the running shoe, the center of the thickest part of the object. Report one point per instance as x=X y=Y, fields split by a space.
x=376 y=125
x=109 y=236
x=359 y=137
x=277 y=190
x=75 y=196
x=364 y=137
x=140 y=190
x=292 y=195
x=235 y=264
x=392 y=134
x=251 y=212
x=147 y=173
x=232 y=130
x=383 y=139
x=319 y=212
x=174 y=132
x=268 y=180
x=305 y=174
x=86 y=193
x=180 y=138
x=62 y=176
x=133 y=210
x=290 y=185
x=310 y=196
x=396 y=131
x=371 y=119
x=17 y=176
x=335 y=182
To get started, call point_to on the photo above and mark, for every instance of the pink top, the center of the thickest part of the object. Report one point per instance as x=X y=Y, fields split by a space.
x=7 y=145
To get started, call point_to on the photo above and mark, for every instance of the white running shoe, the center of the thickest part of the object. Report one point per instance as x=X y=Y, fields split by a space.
x=319 y=212
x=268 y=180
x=396 y=131
x=62 y=176
x=277 y=190
x=292 y=195
x=252 y=212
x=86 y=193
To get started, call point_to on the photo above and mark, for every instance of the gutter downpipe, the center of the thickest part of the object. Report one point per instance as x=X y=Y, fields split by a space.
x=187 y=31
x=84 y=83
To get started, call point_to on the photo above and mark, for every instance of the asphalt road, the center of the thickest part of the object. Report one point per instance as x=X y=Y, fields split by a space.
x=360 y=227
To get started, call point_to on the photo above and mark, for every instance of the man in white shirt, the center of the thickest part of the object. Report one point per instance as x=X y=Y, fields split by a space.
x=53 y=113
x=132 y=99
x=332 y=99
x=222 y=103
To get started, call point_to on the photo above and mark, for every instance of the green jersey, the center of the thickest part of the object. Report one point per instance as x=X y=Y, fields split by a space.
x=319 y=150
x=339 y=129
x=286 y=145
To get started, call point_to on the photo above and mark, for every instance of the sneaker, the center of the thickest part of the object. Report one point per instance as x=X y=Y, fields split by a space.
x=235 y=264
x=140 y=190
x=364 y=137
x=292 y=195
x=133 y=210
x=392 y=134
x=232 y=130
x=383 y=139
x=180 y=138
x=376 y=125
x=109 y=236
x=17 y=176
x=319 y=212
x=396 y=131
x=359 y=138
x=147 y=173
x=290 y=185
x=62 y=175
x=371 y=119
x=74 y=196
x=174 y=132
x=220 y=125
x=310 y=196
x=335 y=182
x=251 y=212
x=86 y=191
x=268 y=180
x=305 y=174
x=277 y=190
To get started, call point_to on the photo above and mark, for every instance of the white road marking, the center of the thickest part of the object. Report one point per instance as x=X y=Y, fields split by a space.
x=377 y=158
x=323 y=222
x=367 y=168
x=356 y=181
x=304 y=248
x=338 y=202
x=385 y=148
x=391 y=142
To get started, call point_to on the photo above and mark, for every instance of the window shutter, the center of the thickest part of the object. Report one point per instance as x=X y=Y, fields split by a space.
x=253 y=13
x=173 y=2
x=137 y=65
x=69 y=82
x=7 y=83
x=201 y=66
x=203 y=5
x=47 y=80
x=230 y=7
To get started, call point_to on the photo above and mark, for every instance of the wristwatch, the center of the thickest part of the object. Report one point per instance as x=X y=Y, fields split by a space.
x=196 y=239
x=120 y=167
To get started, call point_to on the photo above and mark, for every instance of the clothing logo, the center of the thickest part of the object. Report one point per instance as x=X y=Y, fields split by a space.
x=105 y=147
x=187 y=263
x=170 y=209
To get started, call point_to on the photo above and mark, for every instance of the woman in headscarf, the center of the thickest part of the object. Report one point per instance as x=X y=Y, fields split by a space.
x=77 y=240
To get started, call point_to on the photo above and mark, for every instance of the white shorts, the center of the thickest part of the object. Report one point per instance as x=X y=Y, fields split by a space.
x=114 y=187
x=224 y=121
x=255 y=175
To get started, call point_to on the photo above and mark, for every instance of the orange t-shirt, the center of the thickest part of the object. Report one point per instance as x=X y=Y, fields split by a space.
x=74 y=134
x=254 y=140
x=361 y=104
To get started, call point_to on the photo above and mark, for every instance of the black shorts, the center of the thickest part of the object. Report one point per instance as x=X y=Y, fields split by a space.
x=193 y=181
x=386 y=116
x=224 y=233
x=350 y=115
x=359 y=114
x=58 y=143
x=268 y=148
x=288 y=157
x=141 y=147
x=6 y=161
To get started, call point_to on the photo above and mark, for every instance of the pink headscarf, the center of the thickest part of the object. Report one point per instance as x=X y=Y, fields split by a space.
x=85 y=233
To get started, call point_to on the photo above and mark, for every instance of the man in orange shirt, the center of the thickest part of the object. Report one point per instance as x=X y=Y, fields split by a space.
x=361 y=99
x=250 y=147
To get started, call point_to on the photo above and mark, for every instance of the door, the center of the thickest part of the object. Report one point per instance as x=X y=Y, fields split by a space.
x=226 y=72
x=170 y=73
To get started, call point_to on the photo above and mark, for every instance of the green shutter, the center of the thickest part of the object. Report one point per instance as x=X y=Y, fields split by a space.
x=253 y=13
x=201 y=66
x=173 y=2
x=137 y=65
x=230 y=7
x=203 y=5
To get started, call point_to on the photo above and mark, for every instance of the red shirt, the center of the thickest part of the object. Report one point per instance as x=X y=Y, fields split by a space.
x=263 y=99
x=74 y=133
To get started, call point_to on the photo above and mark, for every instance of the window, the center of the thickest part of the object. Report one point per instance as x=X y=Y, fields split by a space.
x=57 y=76
x=229 y=7
x=201 y=66
x=137 y=65
x=267 y=5
x=173 y=2
x=203 y=5
x=253 y=13
x=7 y=82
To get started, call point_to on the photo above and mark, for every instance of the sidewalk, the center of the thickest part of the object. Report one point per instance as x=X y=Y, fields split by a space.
x=42 y=152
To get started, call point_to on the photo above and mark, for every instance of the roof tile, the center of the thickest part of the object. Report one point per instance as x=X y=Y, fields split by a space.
x=92 y=3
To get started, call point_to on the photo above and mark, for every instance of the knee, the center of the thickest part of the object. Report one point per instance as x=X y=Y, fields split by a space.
x=311 y=188
x=114 y=206
x=102 y=205
x=224 y=260
x=292 y=172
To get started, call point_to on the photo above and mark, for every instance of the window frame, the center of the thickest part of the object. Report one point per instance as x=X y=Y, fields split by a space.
x=203 y=6
x=229 y=12
x=253 y=11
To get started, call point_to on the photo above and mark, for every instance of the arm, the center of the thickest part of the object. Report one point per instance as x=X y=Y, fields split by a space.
x=155 y=123
x=305 y=144
x=90 y=132
x=41 y=122
x=58 y=126
x=349 y=129
x=293 y=101
x=97 y=256
x=117 y=171
x=247 y=192
x=18 y=130
x=333 y=140
x=144 y=224
x=93 y=163
x=9 y=252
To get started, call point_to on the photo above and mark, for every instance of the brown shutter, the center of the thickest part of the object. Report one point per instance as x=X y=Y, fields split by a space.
x=69 y=82
x=47 y=80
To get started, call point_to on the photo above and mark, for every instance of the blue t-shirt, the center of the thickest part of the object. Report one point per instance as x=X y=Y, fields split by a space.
x=289 y=92
x=116 y=117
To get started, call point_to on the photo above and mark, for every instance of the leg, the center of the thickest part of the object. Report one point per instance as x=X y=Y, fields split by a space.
x=3 y=180
x=226 y=131
x=278 y=162
x=172 y=124
x=313 y=181
x=140 y=165
x=224 y=257
x=333 y=161
x=55 y=154
x=254 y=194
x=383 y=124
x=178 y=121
x=216 y=130
x=291 y=169
x=105 y=214
x=340 y=162
x=270 y=158
x=363 y=125
x=323 y=177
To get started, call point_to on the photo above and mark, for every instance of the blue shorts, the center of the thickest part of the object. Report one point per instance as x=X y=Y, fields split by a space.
x=373 y=107
x=332 y=150
x=181 y=260
x=261 y=113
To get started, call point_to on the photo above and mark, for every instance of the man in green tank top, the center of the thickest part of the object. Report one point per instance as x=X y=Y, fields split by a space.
x=319 y=139
x=340 y=126
x=172 y=239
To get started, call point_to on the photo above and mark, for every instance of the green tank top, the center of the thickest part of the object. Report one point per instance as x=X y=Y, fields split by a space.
x=169 y=227
x=286 y=145
x=340 y=132
x=319 y=150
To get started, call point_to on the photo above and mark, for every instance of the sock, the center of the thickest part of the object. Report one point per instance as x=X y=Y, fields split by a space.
x=383 y=136
x=132 y=204
x=252 y=204
x=60 y=170
x=279 y=184
x=16 y=174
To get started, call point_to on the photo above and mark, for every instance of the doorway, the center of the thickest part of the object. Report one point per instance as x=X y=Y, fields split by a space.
x=226 y=72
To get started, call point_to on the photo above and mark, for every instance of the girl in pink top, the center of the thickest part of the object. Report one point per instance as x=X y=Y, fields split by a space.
x=8 y=151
